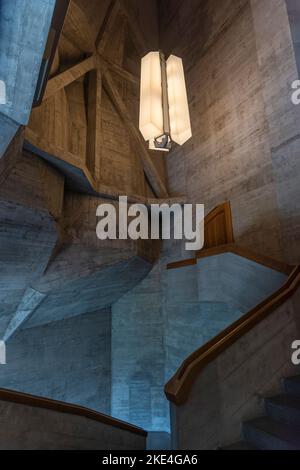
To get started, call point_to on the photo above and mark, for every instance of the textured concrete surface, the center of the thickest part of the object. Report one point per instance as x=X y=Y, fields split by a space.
x=49 y=244
x=158 y=441
x=271 y=19
x=169 y=315
x=240 y=63
x=28 y=304
x=239 y=282
x=31 y=183
x=69 y=360
x=231 y=388
x=23 y=428
x=30 y=204
x=27 y=238
x=189 y=326
x=241 y=57
x=24 y=27
x=205 y=298
x=138 y=356
x=61 y=126
x=88 y=293
x=8 y=130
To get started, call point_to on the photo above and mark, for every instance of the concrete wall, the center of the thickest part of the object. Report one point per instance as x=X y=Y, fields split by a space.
x=238 y=281
x=278 y=70
x=24 y=27
x=293 y=8
x=231 y=388
x=240 y=63
x=146 y=15
x=27 y=238
x=60 y=126
x=202 y=300
x=68 y=360
x=138 y=356
x=23 y=428
x=169 y=315
x=8 y=131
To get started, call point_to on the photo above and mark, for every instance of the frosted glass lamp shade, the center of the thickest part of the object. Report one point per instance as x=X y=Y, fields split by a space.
x=178 y=104
x=151 y=112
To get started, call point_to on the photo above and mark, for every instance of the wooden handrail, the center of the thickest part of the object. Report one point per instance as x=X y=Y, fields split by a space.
x=178 y=387
x=219 y=223
x=62 y=407
x=239 y=251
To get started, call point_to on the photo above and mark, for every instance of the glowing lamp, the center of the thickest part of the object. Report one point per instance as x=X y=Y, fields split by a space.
x=151 y=113
x=164 y=111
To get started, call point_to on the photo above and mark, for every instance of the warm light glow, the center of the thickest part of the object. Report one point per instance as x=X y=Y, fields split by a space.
x=151 y=114
x=178 y=104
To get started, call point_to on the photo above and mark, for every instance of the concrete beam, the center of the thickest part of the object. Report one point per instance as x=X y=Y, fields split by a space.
x=104 y=34
x=29 y=303
x=149 y=168
x=68 y=76
x=121 y=72
x=94 y=129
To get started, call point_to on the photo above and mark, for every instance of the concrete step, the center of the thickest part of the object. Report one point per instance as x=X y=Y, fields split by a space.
x=267 y=434
x=291 y=385
x=284 y=408
x=241 y=445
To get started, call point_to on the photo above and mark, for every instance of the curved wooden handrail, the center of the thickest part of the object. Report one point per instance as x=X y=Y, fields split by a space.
x=178 y=387
x=62 y=407
x=239 y=251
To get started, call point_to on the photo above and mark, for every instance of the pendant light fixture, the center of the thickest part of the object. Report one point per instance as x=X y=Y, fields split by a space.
x=164 y=111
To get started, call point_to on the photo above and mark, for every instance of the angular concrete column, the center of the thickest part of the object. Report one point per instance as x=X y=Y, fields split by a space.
x=24 y=27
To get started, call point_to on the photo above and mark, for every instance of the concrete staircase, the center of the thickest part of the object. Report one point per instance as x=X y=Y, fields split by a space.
x=280 y=428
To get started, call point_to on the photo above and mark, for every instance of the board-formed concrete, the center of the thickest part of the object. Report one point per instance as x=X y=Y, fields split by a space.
x=24 y=30
x=231 y=388
x=23 y=428
x=240 y=63
x=49 y=246
x=9 y=129
x=58 y=282
x=68 y=360
x=88 y=293
x=27 y=239
x=169 y=315
x=138 y=356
